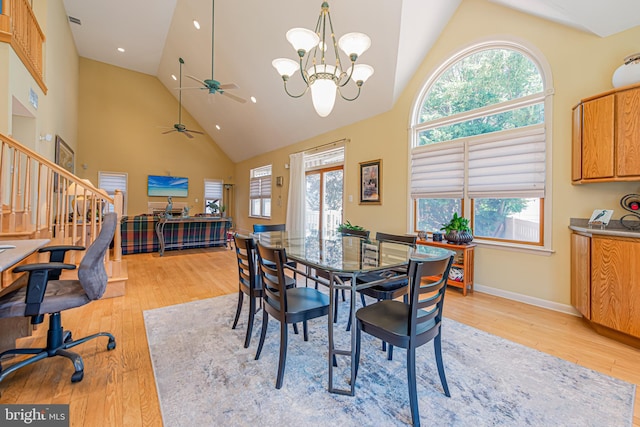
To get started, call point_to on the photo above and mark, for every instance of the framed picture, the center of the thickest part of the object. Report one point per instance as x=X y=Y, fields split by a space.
x=371 y=182
x=64 y=155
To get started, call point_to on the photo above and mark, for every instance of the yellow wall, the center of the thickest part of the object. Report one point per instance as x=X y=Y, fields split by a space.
x=122 y=116
x=581 y=65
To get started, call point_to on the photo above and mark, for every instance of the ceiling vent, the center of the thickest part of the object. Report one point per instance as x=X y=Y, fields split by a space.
x=74 y=20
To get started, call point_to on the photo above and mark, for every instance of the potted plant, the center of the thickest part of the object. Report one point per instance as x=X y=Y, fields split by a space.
x=457 y=230
x=223 y=210
x=348 y=226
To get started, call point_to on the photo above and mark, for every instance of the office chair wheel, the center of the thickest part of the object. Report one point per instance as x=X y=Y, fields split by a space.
x=77 y=376
x=111 y=344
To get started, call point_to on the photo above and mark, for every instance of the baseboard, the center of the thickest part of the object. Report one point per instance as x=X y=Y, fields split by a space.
x=538 y=302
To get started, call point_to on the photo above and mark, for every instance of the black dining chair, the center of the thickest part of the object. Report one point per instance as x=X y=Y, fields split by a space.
x=249 y=282
x=343 y=277
x=392 y=289
x=411 y=325
x=286 y=305
x=262 y=228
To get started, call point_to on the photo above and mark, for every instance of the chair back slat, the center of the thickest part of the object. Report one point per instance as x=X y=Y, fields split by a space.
x=246 y=256
x=396 y=238
x=428 y=283
x=259 y=228
x=271 y=263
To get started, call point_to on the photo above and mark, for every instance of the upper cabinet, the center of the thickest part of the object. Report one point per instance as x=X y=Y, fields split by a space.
x=606 y=137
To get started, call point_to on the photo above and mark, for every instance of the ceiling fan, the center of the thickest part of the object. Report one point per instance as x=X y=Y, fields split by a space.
x=212 y=85
x=179 y=127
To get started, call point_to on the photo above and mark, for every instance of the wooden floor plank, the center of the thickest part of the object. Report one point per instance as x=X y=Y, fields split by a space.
x=119 y=386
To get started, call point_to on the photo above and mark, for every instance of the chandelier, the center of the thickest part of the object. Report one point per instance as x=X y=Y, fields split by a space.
x=324 y=79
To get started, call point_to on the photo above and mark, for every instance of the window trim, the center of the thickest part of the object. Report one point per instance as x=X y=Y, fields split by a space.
x=538 y=58
x=261 y=197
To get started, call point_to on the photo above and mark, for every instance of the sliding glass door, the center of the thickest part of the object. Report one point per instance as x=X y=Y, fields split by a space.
x=324 y=200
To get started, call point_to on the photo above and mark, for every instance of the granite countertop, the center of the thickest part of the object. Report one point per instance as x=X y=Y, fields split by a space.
x=614 y=228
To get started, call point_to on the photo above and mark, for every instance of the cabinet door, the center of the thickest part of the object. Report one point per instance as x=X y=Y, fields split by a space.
x=581 y=274
x=597 y=138
x=628 y=133
x=615 y=285
x=576 y=144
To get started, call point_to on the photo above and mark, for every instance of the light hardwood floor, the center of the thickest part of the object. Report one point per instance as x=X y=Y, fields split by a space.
x=119 y=389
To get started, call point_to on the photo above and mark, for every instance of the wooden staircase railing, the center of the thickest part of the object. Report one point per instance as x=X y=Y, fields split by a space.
x=43 y=200
x=20 y=28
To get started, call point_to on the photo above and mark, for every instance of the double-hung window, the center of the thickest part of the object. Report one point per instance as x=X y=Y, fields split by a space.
x=212 y=194
x=260 y=192
x=479 y=146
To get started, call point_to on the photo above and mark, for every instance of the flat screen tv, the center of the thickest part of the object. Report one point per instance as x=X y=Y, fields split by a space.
x=164 y=186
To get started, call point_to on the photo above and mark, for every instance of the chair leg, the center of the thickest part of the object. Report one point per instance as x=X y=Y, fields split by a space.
x=305 y=330
x=41 y=355
x=263 y=333
x=238 y=310
x=295 y=328
x=252 y=315
x=78 y=365
x=364 y=303
x=283 y=354
x=335 y=306
x=390 y=352
x=411 y=380
x=357 y=355
x=344 y=296
x=437 y=345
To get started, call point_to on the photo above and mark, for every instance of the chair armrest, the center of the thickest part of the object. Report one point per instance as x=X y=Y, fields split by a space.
x=37 y=284
x=58 y=251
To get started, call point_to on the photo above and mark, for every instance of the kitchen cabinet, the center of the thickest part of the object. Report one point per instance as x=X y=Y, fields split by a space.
x=606 y=137
x=605 y=281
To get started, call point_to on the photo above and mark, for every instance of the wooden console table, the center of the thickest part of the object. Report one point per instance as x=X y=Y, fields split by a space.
x=197 y=239
x=463 y=262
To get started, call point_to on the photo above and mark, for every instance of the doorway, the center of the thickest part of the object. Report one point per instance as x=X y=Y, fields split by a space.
x=323 y=207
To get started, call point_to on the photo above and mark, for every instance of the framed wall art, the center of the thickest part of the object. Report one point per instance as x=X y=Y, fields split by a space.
x=371 y=182
x=64 y=155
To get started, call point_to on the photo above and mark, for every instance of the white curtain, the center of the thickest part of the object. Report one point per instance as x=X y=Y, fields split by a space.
x=296 y=204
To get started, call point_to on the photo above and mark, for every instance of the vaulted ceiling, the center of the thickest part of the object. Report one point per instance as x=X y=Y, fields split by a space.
x=249 y=34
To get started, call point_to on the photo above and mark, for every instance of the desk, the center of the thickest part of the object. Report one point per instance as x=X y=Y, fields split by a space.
x=192 y=232
x=345 y=256
x=24 y=252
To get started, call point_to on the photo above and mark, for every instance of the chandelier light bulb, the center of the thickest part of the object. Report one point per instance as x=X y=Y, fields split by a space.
x=361 y=72
x=354 y=44
x=323 y=95
x=286 y=67
x=302 y=39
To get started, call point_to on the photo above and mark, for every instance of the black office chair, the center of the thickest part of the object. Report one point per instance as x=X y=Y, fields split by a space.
x=393 y=289
x=287 y=305
x=343 y=277
x=411 y=325
x=44 y=295
x=249 y=282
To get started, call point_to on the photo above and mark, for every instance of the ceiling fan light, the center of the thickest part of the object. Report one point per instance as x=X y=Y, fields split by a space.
x=302 y=39
x=285 y=66
x=323 y=96
x=354 y=43
x=361 y=72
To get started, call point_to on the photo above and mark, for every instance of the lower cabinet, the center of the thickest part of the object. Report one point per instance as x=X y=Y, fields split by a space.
x=605 y=281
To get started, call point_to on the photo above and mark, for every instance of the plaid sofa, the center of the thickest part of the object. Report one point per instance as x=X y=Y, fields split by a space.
x=139 y=234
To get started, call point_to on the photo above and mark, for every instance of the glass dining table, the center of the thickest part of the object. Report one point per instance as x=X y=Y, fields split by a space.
x=344 y=258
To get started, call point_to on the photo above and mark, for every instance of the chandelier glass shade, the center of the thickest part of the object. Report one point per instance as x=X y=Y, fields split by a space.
x=324 y=78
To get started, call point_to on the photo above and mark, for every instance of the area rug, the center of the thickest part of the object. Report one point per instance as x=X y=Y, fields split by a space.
x=205 y=377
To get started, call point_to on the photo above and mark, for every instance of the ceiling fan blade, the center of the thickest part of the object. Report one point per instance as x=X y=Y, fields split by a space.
x=188 y=88
x=229 y=86
x=235 y=98
x=196 y=131
x=187 y=134
x=169 y=131
x=198 y=80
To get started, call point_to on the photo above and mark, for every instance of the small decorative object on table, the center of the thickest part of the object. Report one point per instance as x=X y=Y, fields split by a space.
x=185 y=212
x=457 y=230
x=437 y=237
x=422 y=235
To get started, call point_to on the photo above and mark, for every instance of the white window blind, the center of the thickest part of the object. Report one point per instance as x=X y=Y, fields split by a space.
x=508 y=164
x=112 y=181
x=213 y=189
x=437 y=171
x=323 y=159
x=260 y=186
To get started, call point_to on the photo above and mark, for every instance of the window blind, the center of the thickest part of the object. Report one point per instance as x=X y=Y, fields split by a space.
x=508 y=164
x=112 y=181
x=213 y=189
x=322 y=159
x=437 y=171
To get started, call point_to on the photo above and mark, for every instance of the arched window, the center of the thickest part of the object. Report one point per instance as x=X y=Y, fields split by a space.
x=479 y=146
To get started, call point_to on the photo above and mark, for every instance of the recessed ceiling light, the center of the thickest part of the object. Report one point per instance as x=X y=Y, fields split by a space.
x=218 y=127
x=120 y=49
x=196 y=24
x=253 y=99
x=173 y=76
